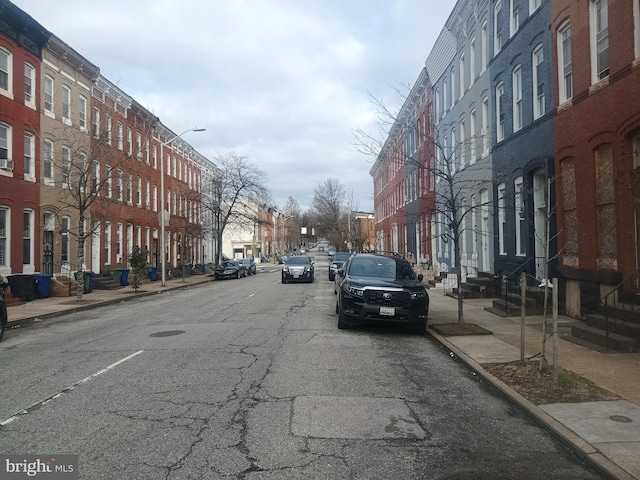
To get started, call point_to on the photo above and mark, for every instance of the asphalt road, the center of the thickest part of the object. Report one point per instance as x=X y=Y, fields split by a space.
x=251 y=379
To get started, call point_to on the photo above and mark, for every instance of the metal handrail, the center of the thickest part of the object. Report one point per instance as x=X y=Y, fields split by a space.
x=628 y=309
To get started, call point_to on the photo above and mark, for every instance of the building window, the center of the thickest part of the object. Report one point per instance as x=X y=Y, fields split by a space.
x=472 y=62
x=520 y=220
x=565 y=68
x=147 y=196
x=107 y=243
x=119 y=185
x=29 y=84
x=95 y=177
x=445 y=96
x=47 y=155
x=538 y=83
x=119 y=133
x=484 y=129
x=107 y=129
x=27 y=238
x=119 y=242
x=66 y=104
x=29 y=159
x=129 y=141
x=48 y=95
x=605 y=193
x=514 y=24
x=636 y=26
x=453 y=87
x=484 y=46
x=64 y=237
x=6 y=162
x=4 y=252
x=108 y=181
x=95 y=123
x=138 y=145
x=462 y=72
x=139 y=191
x=599 y=26
x=497 y=34
x=155 y=198
x=502 y=218
x=534 y=5
x=500 y=112
x=517 y=98
x=438 y=104
x=473 y=139
x=66 y=165
x=82 y=112
x=154 y=157
x=6 y=75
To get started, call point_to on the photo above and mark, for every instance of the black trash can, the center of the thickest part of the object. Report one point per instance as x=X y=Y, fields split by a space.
x=22 y=286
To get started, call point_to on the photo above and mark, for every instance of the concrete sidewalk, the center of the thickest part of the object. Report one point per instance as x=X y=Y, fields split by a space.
x=607 y=434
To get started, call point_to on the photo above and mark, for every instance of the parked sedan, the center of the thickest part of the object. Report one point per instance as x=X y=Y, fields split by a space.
x=249 y=266
x=299 y=268
x=336 y=263
x=229 y=269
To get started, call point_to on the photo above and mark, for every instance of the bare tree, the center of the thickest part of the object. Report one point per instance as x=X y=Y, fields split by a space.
x=241 y=185
x=328 y=207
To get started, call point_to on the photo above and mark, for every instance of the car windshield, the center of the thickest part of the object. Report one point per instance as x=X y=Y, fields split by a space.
x=341 y=257
x=246 y=261
x=381 y=267
x=229 y=264
x=299 y=260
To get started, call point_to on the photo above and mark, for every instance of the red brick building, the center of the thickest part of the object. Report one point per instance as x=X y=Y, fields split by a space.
x=597 y=146
x=21 y=43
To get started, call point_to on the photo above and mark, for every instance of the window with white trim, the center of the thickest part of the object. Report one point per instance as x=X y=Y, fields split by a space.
x=517 y=98
x=147 y=196
x=155 y=198
x=129 y=187
x=119 y=185
x=473 y=137
x=565 y=67
x=472 y=62
x=514 y=16
x=453 y=87
x=484 y=46
x=29 y=85
x=484 y=128
x=66 y=105
x=6 y=73
x=139 y=192
x=108 y=184
x=27 y=238
x=500 y=112
x=445 y=96
x=534 y=5
x=120 y=134
x=48 y=95
x=497 y=33
x=463 y=145
x=119 y=242
x=138 y=145
x=66 y=166
x=502 y=218
x=538 y=82
x=129 y=141
x=520 y=217
x=107 y=129
x=47 y=156
x=461 y=63
x=154 y=157
x=95 y=177
x=29 y=157
x=453 y=158
x=82 y=112
x=107 y=243
x=6 y=160
x=95 y=122
x=599 y=29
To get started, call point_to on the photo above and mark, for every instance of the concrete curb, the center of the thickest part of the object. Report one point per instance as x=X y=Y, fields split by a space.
x=577 y=444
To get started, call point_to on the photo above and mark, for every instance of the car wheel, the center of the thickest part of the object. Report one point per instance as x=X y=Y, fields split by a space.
x=337 y=308
x=283 y=280
x=238 y=274
x=311 y=279
x=342 y=324
x=331 y=278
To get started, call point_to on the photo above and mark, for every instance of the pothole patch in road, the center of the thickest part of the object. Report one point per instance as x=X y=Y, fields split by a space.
x=353 y=417
x=167 y=333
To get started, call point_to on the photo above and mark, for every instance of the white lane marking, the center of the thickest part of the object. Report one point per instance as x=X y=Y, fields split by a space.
x=66 y=390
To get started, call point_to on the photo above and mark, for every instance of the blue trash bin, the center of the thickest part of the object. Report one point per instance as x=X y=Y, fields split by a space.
x=43 y=282
x=124 y=276
x=153 y=273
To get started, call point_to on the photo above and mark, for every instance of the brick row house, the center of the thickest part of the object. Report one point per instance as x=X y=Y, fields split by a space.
x=88 y=191
x=536 y=111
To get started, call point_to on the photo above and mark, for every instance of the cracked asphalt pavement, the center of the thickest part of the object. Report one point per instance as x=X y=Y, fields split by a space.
x=251 y=379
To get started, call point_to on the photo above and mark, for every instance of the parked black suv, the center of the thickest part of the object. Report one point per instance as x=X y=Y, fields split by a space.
x=381 y=288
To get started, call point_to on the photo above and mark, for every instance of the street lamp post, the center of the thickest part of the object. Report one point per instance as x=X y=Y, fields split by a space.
x=162 y=210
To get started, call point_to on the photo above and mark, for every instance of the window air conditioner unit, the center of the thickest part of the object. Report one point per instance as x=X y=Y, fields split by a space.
x=6 y=164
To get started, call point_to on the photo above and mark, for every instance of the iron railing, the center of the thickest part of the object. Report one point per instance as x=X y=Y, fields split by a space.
x=621 y=305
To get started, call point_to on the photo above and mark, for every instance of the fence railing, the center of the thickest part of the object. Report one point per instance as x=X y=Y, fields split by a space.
x=621 y=305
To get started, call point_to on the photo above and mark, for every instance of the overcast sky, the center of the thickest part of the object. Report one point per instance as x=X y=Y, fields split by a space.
x=282 y=82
